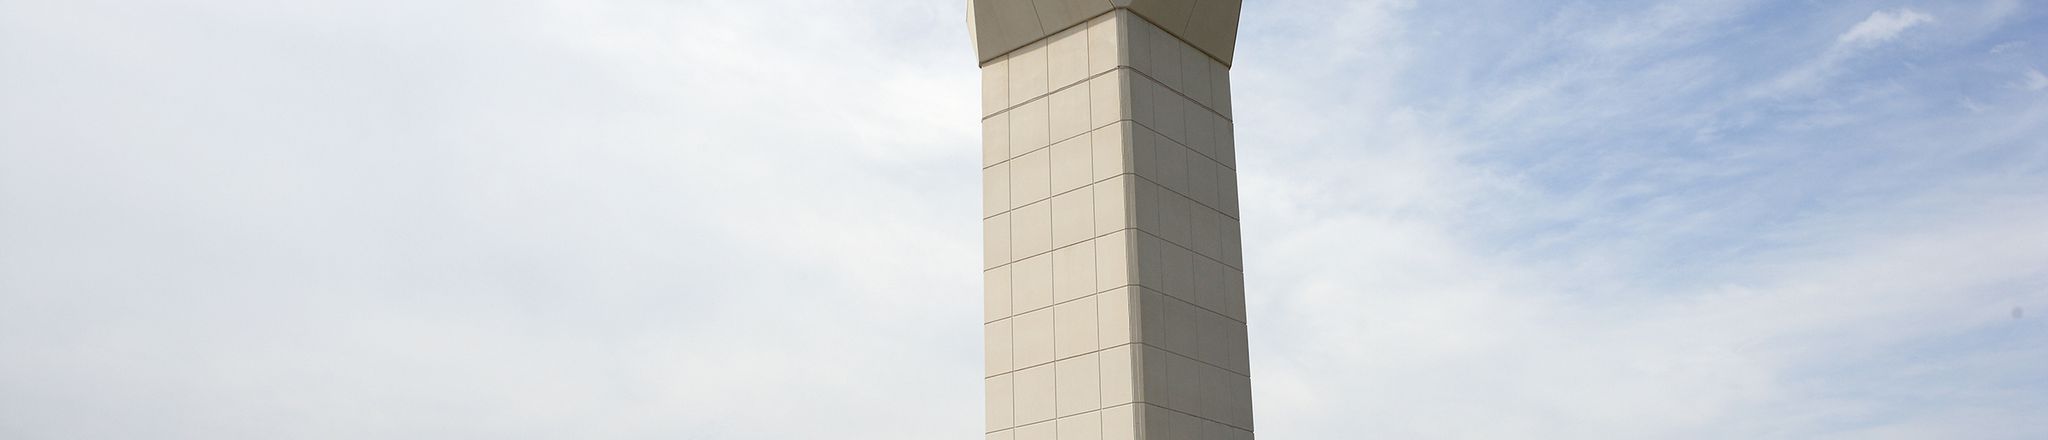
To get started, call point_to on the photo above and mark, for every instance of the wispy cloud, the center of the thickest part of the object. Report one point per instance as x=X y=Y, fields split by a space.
x=1884 y=26
x=1812 y=75
x=2035 y=80
x=1592 y=263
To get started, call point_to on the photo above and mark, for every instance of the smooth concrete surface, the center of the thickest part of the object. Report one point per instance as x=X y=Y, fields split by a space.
x=1114 y=285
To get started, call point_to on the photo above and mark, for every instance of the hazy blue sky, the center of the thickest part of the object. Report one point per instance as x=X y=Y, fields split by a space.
x=695 y=219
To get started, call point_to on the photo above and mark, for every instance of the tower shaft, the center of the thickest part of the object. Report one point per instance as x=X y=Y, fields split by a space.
x=1114 y=285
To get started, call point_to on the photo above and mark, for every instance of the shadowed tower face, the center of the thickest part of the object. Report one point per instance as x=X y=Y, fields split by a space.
x=1114 y=284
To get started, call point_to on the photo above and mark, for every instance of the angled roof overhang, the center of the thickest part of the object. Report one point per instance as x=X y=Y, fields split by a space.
x=1001 y=26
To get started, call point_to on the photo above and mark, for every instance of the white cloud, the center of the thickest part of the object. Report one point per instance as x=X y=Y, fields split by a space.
x=505 y=219
x=1814 y=75
x=1884 y=26
x=2008 y=47
x=2036 y=81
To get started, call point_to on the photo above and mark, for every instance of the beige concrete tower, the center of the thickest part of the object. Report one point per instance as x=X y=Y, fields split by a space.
x=1114 y=284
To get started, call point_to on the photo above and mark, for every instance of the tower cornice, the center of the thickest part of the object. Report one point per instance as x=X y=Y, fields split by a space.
x=1001 y=26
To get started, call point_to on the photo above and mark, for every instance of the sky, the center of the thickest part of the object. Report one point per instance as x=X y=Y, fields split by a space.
x=695 y=219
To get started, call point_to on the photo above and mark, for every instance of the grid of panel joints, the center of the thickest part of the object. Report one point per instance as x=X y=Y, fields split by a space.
x=1057 y=203
x=1188 y=247
x=1049 y=180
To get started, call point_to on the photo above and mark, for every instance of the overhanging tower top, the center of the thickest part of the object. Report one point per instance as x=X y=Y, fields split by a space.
x=1001 y=26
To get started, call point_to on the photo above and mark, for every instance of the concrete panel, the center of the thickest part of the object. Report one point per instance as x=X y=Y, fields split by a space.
x=1069 y=112
x=1073 y=269
x=1079 y=385
x=995 y=287
x=1029 y=73
x=1035 y=391
x=1031 y=230
x=1108 y=99
x=1067 y=58
x=1030 y=127
x=995 y=87
x=995 y=241
x=1041 y=431
x=998 y=396
x=1105 y=43
x=995 y=190
x=995 y=139
x=996 y=336
x=1074 y=327
x=1119 y=376
x=1073 y=219
x=1073 y=164
x=1081 y=427
x=1031 y=284
x=1113 y=205
x=1114 y=266
x=1030 y=178
x=1032 y=338
x=1116 y=324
